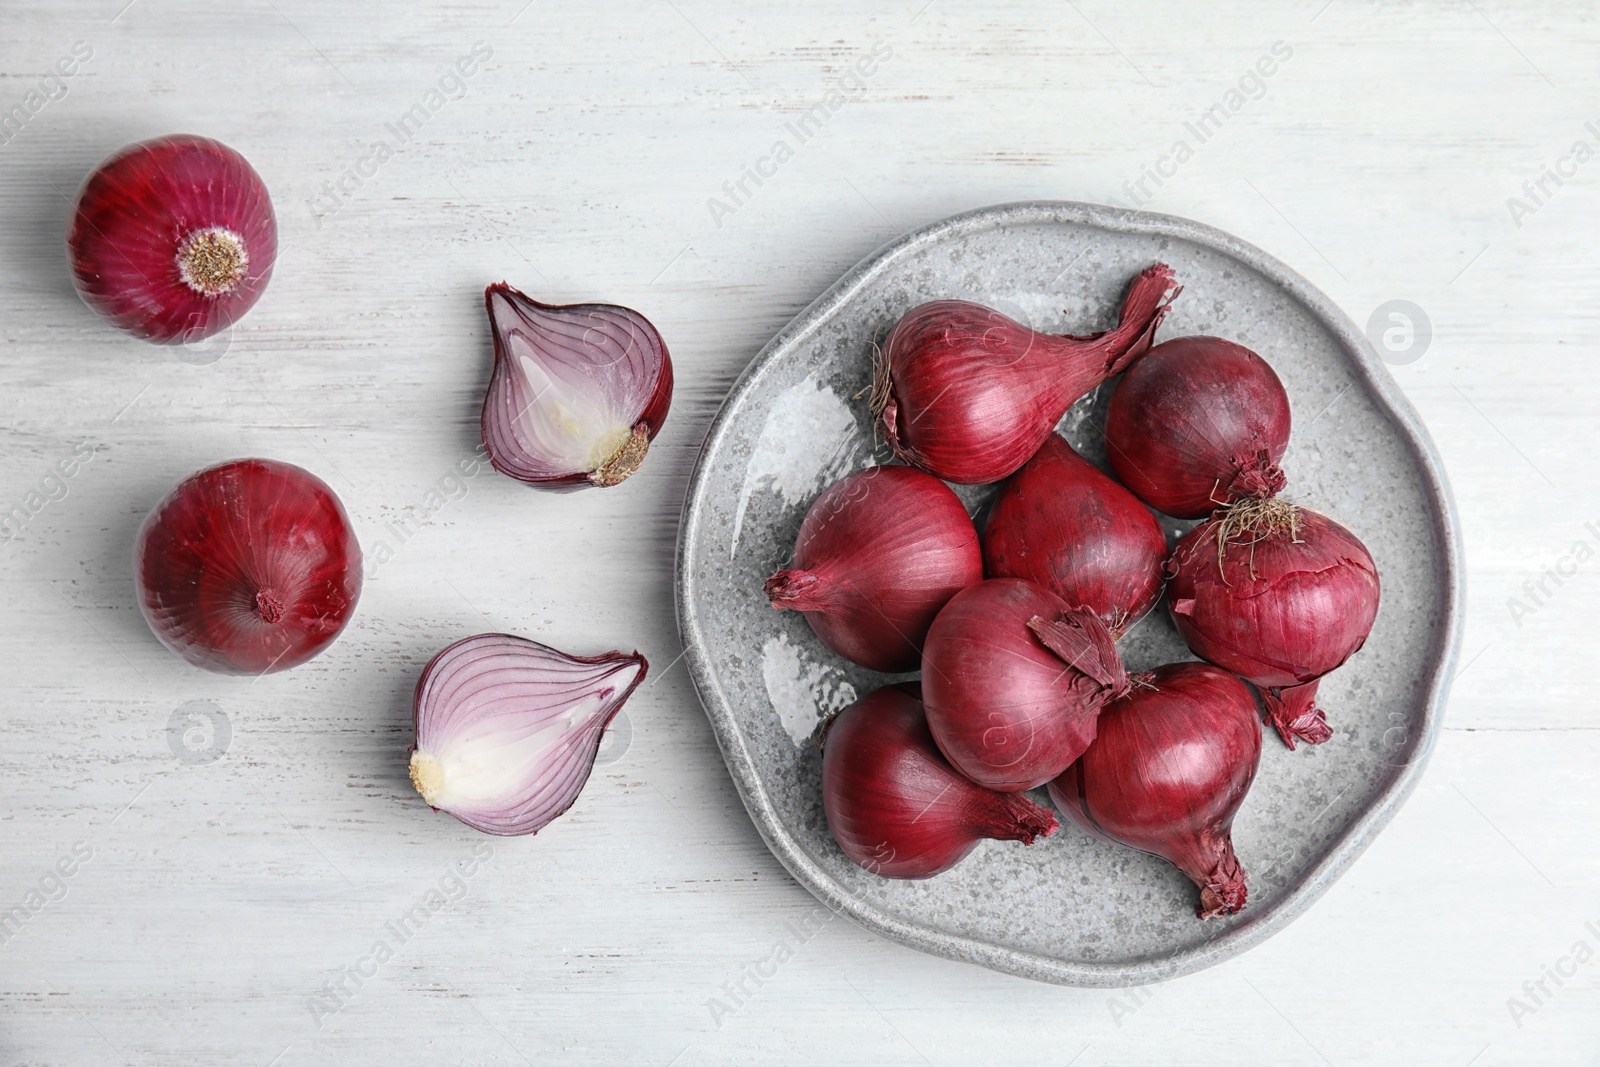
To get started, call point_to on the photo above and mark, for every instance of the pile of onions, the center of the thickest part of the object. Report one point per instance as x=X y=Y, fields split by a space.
x=1280 y=595
x=969 y=394
x=1061 y=523
x=1172 y=763
x=1014 y=679
x=893 y=803
x=1197 y=423
x=879 y=553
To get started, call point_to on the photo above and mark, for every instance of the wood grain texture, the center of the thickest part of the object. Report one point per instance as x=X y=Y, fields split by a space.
x=220 y=898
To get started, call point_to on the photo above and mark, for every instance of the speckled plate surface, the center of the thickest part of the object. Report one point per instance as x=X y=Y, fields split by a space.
x=1070 y=909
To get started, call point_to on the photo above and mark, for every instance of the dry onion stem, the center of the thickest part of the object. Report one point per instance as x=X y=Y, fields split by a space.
x=1253 y=520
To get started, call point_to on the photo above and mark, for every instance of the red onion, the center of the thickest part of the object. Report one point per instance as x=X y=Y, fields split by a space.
x=578 y=392
x=508 y=729
x=893 y=803
x=173 y=239
x=1196 y=423
x=248 y=567
x=1013 y=680
x=969 y=394
x=879 y=553
x=1280 y=595
x=1168 y=771
x=1062 y=523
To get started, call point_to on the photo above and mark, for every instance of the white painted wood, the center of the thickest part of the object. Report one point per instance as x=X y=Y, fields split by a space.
x=220 y=898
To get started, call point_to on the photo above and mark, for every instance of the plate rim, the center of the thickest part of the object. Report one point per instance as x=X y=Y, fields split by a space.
x=1366 y=367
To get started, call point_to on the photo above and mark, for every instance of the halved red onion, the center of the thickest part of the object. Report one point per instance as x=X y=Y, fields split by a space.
x=173 y=239
x=578 y=391
x=508 y=729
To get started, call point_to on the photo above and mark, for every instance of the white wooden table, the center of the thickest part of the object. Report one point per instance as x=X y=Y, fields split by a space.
x=221 y=902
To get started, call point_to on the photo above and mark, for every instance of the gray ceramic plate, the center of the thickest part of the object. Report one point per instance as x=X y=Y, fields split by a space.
x=1070 y=909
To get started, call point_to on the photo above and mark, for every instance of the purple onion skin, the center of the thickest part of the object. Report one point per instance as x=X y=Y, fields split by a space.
x=454 y=698
x=1196 y=423
x=511 y=456
x=1170 y=766
x=893 y=803
x=969 y=395
x=1008 y=710
x=248 y=567
x=1062 y=523
x=1281 y=610
x=134 y=215
x=879 y=553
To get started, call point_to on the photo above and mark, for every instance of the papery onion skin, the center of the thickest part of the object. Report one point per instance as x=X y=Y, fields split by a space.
x=1282 y=608
x=968 y=394
x=1062 y=523
x=611 y=354
x=1012 y=680
x=483 y=695
x=1196 y=423
x=896 y=807
x=879 y=553
x=1173 y=761
x=248 y=567
x=133 y=239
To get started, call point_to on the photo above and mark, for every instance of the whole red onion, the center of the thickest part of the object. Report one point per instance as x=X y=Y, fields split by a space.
x=248 y=567
x=1171 y=764
x=1198 y=422
x=969 y=394
x=1280 y=595
x=1062 y=523
x=578 y=393
x=893 y=803
x=879 y=553
x=173 y=239
x=1013 y=679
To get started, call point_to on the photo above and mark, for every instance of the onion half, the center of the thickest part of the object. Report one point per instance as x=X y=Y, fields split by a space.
x=578 y=391
x=507 y=729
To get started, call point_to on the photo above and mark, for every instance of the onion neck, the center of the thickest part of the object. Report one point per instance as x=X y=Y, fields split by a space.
x=1013 y=817
x=1222 y=889
x=1294 y=713
x=1080 y=640
x=802 y=590
x=1258 y=477
x=1148 y=299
